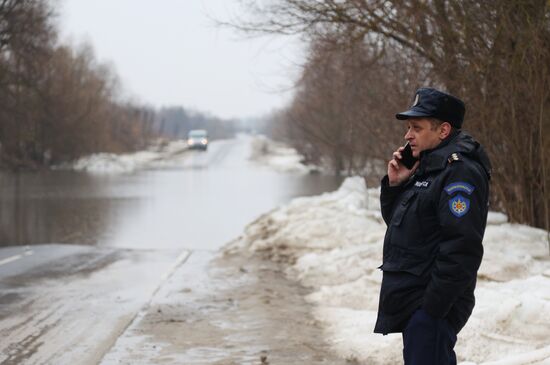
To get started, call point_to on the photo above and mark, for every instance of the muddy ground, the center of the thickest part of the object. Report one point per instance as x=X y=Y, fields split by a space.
x=225 y=310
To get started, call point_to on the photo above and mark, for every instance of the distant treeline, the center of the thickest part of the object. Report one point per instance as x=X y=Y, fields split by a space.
x=366 y=58
x=176 y=122
x=58 y=103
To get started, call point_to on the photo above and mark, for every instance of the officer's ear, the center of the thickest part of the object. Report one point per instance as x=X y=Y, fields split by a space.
x=445 y=130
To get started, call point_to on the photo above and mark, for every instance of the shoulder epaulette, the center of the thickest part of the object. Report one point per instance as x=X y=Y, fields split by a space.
x=453 y=158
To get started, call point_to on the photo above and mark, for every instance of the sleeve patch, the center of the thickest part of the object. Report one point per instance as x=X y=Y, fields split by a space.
x=459 y=205
x=459 y=186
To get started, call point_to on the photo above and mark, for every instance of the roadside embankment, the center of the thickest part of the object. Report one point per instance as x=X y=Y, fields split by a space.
x=332 y=244
x=277 y=156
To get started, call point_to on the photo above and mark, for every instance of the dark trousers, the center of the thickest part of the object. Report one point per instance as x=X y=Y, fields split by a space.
x=428 y=341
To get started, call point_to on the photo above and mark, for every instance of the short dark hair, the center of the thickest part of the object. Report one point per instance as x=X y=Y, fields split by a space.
x=435 y=122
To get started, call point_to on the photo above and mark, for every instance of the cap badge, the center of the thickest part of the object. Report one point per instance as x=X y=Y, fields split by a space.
x=416 y=99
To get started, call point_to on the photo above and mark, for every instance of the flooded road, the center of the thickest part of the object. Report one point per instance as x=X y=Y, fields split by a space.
x=87 y=258
x=199 y=200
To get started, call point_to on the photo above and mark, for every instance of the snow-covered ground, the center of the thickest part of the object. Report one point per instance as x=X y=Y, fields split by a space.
x=333 y=244
x=276 y=155
x=155 y=156
x=264 y=152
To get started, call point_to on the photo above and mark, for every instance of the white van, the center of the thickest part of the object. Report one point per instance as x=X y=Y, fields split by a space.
x=197 y=139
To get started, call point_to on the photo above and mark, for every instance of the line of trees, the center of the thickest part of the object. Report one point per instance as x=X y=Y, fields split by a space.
x=176 y=122
x=58 y=103
x=366 y=58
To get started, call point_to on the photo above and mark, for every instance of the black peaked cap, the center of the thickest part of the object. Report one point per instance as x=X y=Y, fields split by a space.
x=429 y=102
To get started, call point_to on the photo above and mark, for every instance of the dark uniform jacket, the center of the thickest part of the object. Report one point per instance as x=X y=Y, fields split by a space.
x=433 y=244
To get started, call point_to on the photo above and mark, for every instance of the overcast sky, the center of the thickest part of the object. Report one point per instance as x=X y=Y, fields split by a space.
x=169 y=52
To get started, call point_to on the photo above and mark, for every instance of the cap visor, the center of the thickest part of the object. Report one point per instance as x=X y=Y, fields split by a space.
x=412 y=114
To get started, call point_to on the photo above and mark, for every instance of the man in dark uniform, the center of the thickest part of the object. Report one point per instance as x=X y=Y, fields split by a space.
x=436 y=213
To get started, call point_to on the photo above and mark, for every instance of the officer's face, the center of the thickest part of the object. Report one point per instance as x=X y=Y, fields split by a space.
x=422 y=135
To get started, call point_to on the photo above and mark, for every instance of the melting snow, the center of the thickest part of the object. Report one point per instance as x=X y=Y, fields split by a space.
x=333 y=244
x=106 y=163
x=276 y=155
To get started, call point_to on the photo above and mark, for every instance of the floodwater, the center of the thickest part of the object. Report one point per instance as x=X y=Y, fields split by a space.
x=200 y=200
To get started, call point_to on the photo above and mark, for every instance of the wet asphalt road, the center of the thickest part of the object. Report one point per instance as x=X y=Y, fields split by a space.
x=84 y=254
x=71 y=303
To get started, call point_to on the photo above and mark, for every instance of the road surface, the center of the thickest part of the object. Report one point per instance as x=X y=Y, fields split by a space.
x=90 y=258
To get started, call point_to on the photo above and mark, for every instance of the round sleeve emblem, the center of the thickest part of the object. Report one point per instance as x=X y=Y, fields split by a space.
x=459 y=205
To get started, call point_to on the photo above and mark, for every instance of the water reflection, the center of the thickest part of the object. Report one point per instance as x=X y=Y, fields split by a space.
x=203 y=202
x=59 y=207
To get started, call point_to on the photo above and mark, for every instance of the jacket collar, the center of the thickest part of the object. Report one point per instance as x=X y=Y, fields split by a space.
x=436 y=158
x=458 y=142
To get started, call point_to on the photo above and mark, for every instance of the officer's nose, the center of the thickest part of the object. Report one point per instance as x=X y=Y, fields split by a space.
x=408 y=135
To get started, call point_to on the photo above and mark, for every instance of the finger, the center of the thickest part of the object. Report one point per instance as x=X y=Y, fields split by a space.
x=397 y=155
x=400 y=148
x=394 y=164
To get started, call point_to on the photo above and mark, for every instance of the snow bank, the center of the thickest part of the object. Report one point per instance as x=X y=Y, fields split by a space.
x=156 y=156
x=333 y=244
x=276 y=155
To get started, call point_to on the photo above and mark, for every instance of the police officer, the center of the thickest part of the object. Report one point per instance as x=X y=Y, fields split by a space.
x=436 y=213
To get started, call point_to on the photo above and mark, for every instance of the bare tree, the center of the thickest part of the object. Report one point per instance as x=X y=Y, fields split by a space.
x=57 y=103
x=495 y=54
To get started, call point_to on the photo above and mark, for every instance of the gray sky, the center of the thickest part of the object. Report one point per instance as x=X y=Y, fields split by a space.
x=169 y=52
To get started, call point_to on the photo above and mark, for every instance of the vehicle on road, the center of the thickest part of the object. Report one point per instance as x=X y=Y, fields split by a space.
x=197 y=139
